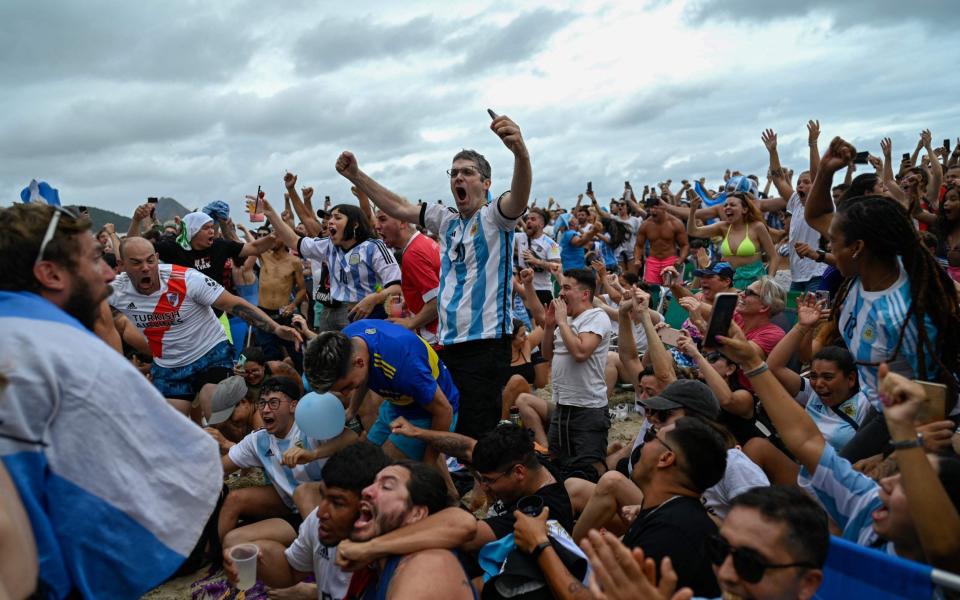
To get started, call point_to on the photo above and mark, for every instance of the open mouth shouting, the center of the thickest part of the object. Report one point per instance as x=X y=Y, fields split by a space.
x=363 y=526
x=461 y=192
x=269 y=422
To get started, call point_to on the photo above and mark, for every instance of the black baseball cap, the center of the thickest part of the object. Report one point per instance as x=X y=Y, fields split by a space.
x=690 y=394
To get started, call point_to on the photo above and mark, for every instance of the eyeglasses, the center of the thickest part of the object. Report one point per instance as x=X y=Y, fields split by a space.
x=749 y=292
x=465 y=171
x=750 y=565
x=489 y=481
x=651 y=435
x=273 y=403
x=58 y=211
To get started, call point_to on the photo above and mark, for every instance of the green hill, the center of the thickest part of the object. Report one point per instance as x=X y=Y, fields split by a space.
x=167 y=208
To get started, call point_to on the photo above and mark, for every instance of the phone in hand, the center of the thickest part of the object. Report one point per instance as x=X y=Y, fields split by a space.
x=589 y=187
x=723 y=307
x=492 y=114
x=670 y=336
x=946 y=144
x=935 y=402
x=906 y=156
x=861 y=158
x=153 y=209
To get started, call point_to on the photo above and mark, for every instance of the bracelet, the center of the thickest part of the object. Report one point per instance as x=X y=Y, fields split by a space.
x=821 y=256
x=917 y=442
x=538 y=549
x=763 y=368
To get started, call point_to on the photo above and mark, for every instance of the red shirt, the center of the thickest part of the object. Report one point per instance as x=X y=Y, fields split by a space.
x=766 y=336
x=420 y=279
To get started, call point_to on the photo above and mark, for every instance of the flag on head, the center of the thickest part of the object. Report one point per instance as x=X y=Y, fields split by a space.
x=40 y=191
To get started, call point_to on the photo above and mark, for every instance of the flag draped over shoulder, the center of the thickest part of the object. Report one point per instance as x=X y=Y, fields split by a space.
x=117 y=485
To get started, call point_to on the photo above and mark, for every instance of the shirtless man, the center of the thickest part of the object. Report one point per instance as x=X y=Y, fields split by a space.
x=669 y=245
x=281 y=278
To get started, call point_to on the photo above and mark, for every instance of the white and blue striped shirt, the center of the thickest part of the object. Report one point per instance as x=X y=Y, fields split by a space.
x=354 y=273
x=476 y=265
x=262 y=449
x=870 y=323
x=835 y=429
x=848 y=496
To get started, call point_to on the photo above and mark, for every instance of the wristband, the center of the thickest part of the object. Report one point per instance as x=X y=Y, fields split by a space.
x=821 y=256
x=539 y=548
x=763 y=368
x=917 y=442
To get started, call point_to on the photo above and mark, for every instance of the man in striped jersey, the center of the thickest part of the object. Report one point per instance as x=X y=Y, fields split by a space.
x=476 y=264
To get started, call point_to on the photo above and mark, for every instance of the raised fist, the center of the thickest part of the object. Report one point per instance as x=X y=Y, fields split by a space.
x=347 y=164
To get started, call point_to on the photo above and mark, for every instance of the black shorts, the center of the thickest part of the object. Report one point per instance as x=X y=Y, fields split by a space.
x=579 y=432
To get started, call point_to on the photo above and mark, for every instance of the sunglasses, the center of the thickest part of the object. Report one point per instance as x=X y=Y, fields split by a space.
x=651 y=435
x=749 y=564
x=662 y=414
x=58 y=211
x=749 y=292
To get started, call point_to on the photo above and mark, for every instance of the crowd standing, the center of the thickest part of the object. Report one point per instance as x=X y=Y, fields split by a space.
x=475 y=349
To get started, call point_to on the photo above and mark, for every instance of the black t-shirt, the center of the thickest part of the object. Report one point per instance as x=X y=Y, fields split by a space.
x=210 y=262
x=554 y=497
x=678 y=528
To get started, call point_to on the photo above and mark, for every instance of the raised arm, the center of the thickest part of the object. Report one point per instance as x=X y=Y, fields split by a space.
x=936 y=169
x=935 y=517
x=281 y=230
x=809 y=313
x=660 y=357
x=818 y=210
x=136 y=222
x=515 y=203
x=692 y=229
x=797 y=430
x=782 y=184
x=813 y=134
x=384 y=199
x=893 y=188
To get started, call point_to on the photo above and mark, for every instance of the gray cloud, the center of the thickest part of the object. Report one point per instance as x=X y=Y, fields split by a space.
x=337 y=43
x=934 y=14
x=515 y=42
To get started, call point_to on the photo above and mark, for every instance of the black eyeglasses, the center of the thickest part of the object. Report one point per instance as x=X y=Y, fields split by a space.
x=58 y=211
x=273 y=403
x=465 y=171
x=750 y=565
x=651 y=435
x=488 y=481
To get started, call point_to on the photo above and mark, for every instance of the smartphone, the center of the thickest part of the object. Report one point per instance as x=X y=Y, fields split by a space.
x=906 y=156
x=669 y=336
x=668 y=278
x=589 y=187
x=946 y=144
x=935 y=403
x=492 y=114
x=723 y=307
x=861 y=158
x=153 y=209
x=626 y=184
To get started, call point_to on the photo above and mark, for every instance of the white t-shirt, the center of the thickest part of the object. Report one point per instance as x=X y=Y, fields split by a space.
x=545 y=249
x=741 y=475
x=802 y=269
x=262 y=449
x=176 y=319
x=632 y=224
x=581 y=383
x=308 y=555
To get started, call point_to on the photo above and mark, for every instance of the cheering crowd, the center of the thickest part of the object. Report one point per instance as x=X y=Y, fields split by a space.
x=792 y=352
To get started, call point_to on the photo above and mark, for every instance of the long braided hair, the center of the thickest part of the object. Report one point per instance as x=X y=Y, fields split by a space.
x=887 y=231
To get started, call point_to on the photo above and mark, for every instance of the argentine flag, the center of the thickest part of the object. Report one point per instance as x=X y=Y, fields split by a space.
x=117 y=485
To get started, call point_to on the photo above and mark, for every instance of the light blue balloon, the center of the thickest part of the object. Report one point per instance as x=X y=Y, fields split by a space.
x=320 y=416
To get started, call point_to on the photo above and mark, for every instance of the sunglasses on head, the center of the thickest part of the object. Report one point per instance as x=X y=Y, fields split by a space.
x=749 y=564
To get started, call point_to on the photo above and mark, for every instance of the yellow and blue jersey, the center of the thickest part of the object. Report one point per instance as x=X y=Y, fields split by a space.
x=404 y=368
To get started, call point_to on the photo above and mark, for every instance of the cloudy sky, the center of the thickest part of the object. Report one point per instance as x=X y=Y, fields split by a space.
x=114 y=101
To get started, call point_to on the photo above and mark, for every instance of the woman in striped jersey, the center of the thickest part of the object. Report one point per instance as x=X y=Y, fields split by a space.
x=898 y=306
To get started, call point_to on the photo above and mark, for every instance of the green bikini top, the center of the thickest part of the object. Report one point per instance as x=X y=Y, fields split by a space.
x=746 y=247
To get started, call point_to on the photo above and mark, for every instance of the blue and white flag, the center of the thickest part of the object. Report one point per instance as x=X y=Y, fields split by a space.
x=117 y=485
x=41 y=192
x=853 y=571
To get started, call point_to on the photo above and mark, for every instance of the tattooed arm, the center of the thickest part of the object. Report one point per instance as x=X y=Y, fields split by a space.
x=451 y=444
x=238 y=307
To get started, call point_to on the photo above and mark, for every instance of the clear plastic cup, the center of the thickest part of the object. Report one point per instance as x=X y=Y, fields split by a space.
x=244 y=557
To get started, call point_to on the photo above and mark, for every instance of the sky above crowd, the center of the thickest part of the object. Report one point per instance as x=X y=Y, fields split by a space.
x=111 y=102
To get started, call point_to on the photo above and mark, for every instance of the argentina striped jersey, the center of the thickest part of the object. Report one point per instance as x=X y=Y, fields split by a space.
x=354 y=273
x=870 y=323
x=476 y=264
